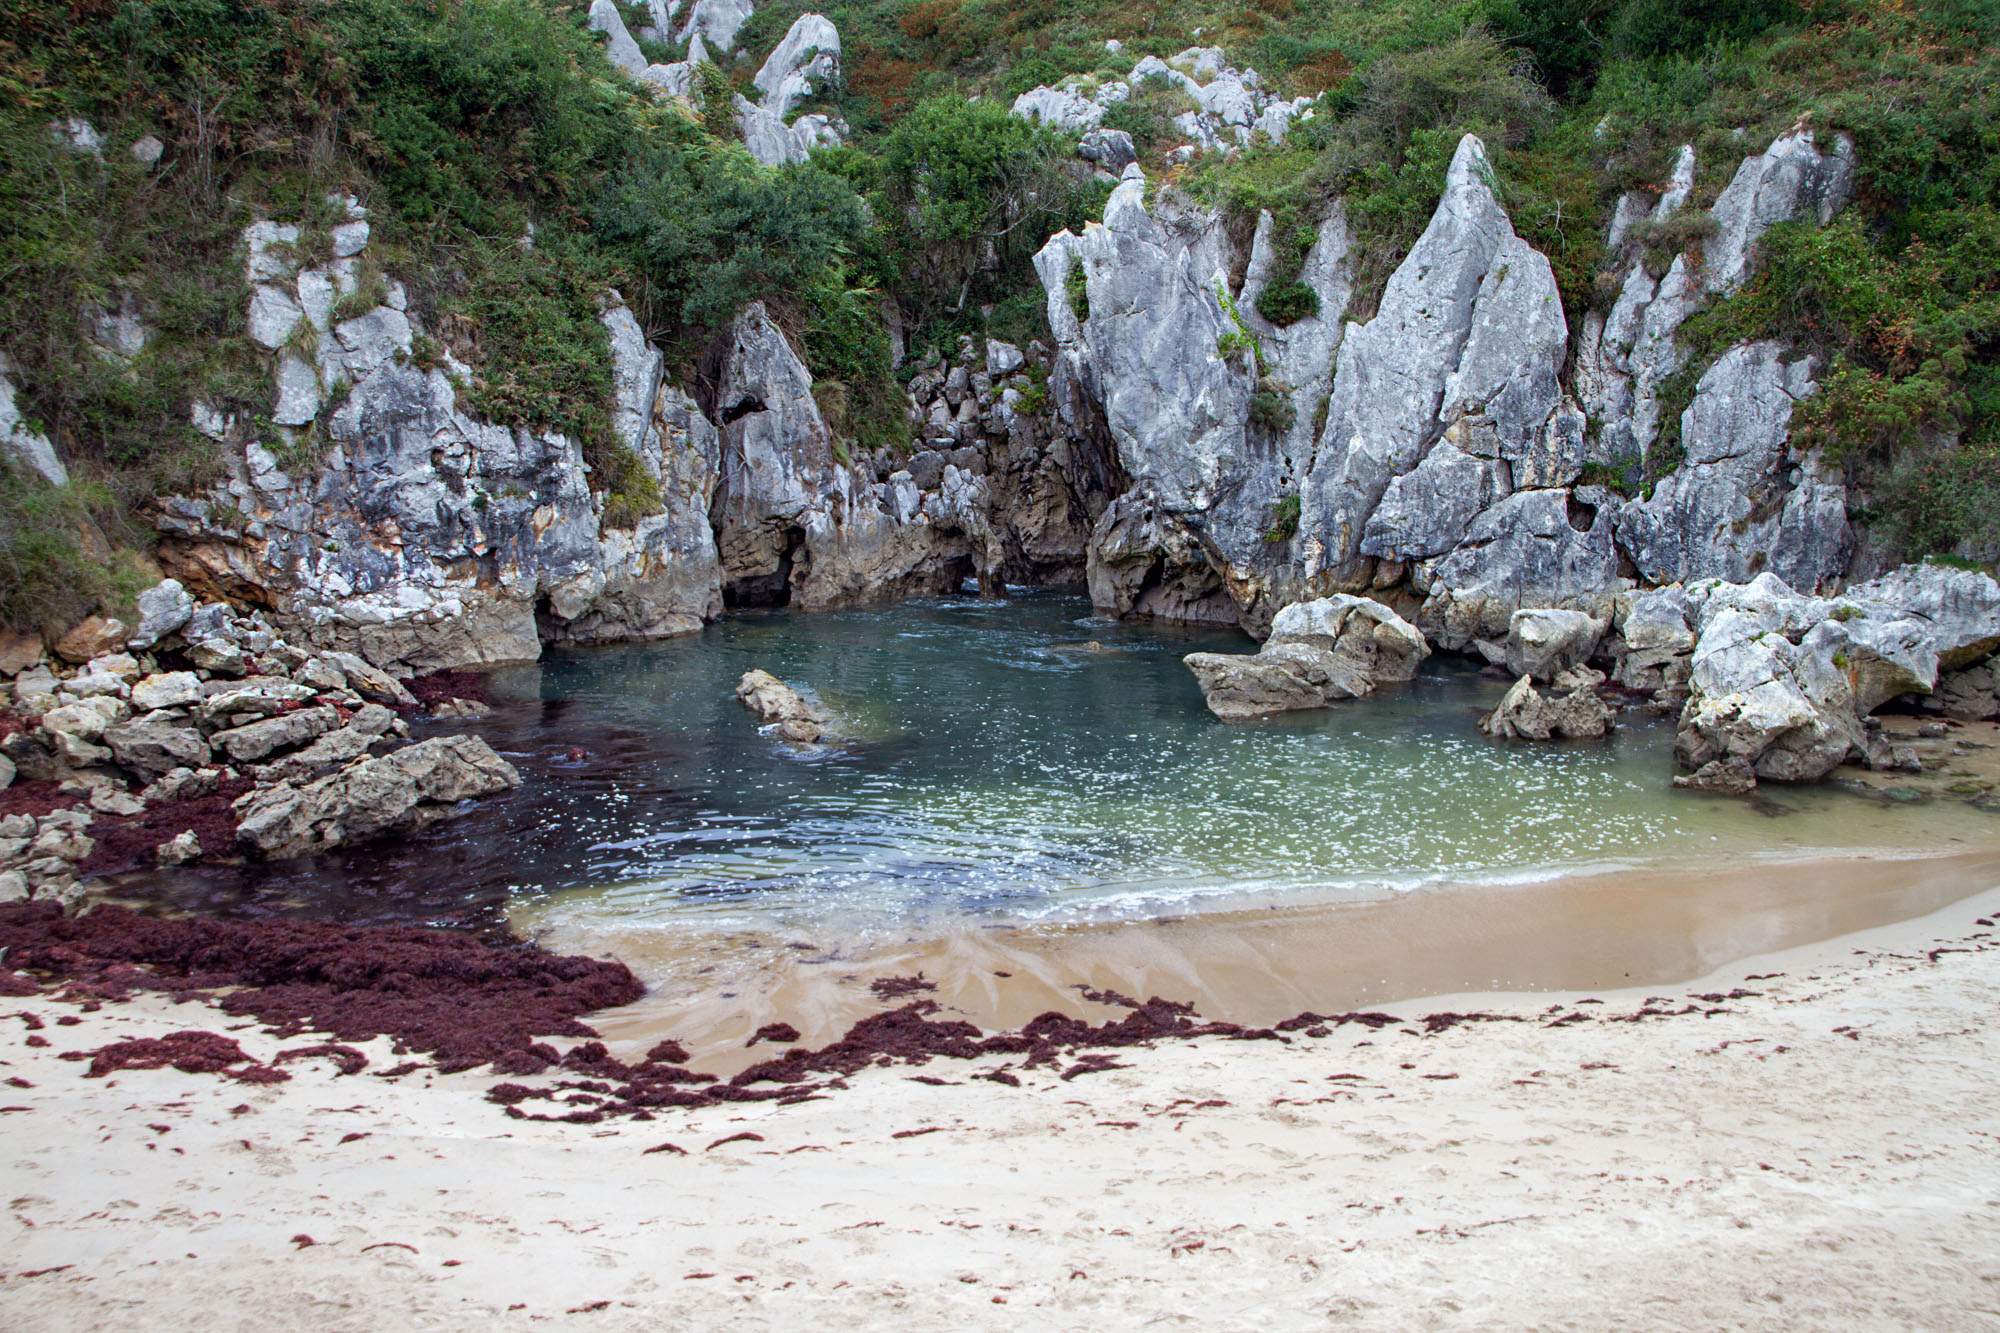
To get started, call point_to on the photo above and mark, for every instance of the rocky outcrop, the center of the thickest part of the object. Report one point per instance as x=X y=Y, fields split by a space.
x=400 y=792
x=1318 y=653
x=1781 y=683
x=1526 y=714
x=1226 y=106
x=781 y=708
x=424 y=537
x=20 y=442
x=986 y=497
x=716 y=23
x=1432 y=453
x=806 y=60
x=1740 y=504
x=1153 y=349
x=1463 y=355
x=135 y=755
x=619 y=48
x=1544 y=643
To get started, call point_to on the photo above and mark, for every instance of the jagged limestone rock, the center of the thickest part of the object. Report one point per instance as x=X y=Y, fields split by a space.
x=1302 y=353
x=1550 y=548
x=399 y=792
x=1740 y=504
x=1319 y=652
x=1655 y=641
x=779 y=706
x=1543 y=642
x=806 y=59
x=1145 y=561
x=163 y=609
x=619 y=48
x=1389 y=403
x=1524 y=713
x=1143 y=360
x=1790 y=179
x=777 y=460
x=1782 y=682
x=716 y=22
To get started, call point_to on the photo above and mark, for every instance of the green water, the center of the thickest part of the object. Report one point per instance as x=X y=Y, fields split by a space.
x=1021 y=761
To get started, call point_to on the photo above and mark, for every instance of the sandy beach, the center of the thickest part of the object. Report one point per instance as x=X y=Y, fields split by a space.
x=1806 y=1139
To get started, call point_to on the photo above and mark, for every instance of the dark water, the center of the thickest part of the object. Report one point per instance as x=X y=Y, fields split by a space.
x=1012 y=761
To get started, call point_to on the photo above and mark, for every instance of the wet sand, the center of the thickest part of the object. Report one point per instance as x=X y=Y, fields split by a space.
x=1647 y=927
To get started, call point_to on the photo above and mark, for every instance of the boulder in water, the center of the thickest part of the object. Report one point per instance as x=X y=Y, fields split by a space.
x=1319 y=652
x=775 y=703
x=1527 y=714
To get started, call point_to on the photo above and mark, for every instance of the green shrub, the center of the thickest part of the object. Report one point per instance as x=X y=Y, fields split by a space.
x=711 y=230
x=1271 y=406
x=961 y=180
x=1616 y=476
x=1942 y=501
x=52 y=567
x=1077 y=287
x=630 y=491
x=1284 y=520
x=1286 y=303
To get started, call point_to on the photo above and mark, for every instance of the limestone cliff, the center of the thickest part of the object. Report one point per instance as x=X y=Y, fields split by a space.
x=373 y=513
x=1449 y=473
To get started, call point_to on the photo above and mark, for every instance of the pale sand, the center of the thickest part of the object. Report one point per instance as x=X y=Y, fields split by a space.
x=1825 y=1154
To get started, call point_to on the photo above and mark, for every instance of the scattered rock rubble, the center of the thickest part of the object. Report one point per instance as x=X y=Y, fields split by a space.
x=206 y=735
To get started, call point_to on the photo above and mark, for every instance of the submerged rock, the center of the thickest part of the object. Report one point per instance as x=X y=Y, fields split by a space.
x=1319 y=652
x=777 y=704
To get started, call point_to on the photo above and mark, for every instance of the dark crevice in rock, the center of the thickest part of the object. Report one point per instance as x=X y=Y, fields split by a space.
x=773 y=589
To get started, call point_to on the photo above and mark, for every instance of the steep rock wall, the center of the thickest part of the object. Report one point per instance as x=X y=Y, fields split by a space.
x=376 y=515
x=1449 y=476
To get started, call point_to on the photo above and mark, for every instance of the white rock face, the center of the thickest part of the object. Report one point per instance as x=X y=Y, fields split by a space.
x=1064 y=108
x=430 y=538
x=1229 y=104
x=1739 y=505
x=1780 y=683
x=1790 y=180
x=1465 y=349
x=1147 y=359
x=717 y=22
x=22 y=443
x=163 y=609
x=807 y=59
x=1451 y=457
x=1302 y=353
x=619 y=48
x=1543 y=642
x=775 y=144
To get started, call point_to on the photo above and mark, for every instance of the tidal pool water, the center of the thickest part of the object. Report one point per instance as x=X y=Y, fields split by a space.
x=1019 y=763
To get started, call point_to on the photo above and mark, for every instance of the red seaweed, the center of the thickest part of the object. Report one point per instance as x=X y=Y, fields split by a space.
x=133 y=842
x=193 y=1052
x=895 y=988
x=462 y=1000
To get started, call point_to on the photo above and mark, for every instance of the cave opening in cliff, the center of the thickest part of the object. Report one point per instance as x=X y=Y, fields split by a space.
x=770 y=589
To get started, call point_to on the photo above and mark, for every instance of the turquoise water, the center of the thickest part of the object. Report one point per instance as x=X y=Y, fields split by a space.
x=1014 y=762
x=1023 y=761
